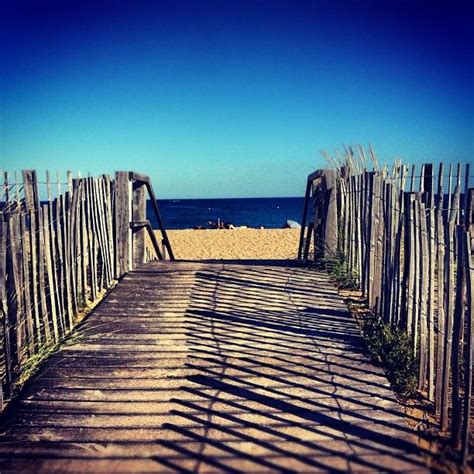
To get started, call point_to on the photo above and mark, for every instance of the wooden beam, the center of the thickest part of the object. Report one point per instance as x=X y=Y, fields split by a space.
x=303 y=220
x=122 y=224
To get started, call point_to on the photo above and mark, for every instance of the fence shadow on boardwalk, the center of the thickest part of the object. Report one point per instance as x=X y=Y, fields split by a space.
x=253 y=372
x=284 y=380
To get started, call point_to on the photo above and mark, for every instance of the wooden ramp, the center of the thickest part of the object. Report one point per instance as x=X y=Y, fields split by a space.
x=212 y=367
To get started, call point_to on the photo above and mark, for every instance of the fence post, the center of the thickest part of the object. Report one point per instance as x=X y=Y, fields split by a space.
x=303 y=220
x=123 y=233
x=138 y=214
x=317 y=217
x=330 y=218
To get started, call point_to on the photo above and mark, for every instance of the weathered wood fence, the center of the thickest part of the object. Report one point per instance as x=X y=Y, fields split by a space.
x=59 y=255
x=408 y=239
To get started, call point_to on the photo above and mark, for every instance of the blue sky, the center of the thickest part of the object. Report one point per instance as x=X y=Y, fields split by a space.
x=232 y=98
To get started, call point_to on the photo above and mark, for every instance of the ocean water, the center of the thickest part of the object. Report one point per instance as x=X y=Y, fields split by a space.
x=252 y=212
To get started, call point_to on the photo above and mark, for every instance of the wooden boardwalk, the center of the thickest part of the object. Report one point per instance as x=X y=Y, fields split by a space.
x=212 y=367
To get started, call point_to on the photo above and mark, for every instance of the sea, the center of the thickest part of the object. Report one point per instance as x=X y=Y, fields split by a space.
x=270 y=213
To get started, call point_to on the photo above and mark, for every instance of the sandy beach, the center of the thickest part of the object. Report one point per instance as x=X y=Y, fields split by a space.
x=192 y=244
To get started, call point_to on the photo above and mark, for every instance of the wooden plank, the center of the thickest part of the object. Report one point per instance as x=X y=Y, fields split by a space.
x=365 y=233
x=369 y=274
x=410 y=258
x=449 y=298
x=397 y=280
x=467 y=400
x=154 y=206
x=440 y=276
x=304 y=217
x=25 y=236
x=34 y=276
x=344 y=189
x=59 y=259
x=14 y=293
x=100 y=241
x=385 y=257
x=380 y=236
x=31 y=206
x=423 y=285
x=389 y=258
x=52 y=250
x=412 y=179
x=109 y=193
x=458 y=186
x=344 y=198
x=351 y=229
x=6 y=191
x=44 y=314
x=65 y=222
x=138 y=214
x=154 y=241
x=74 y=246
x=17 y=194
x=465 y=200
x=416 y=270
x=103 y=220
x=92 y=239
x=457 y=338
x=318 y=211
x=431 y=299
x=359 y=220
x=80 y=252
x=470 y=214
x=307 y=242
x=29 y=182
x=8 y=376
x=84 y=246
x=51 y=293
x=448 y=206
x=428 y=190
x=331 y=226
x=94 y=236
x=99 y=216
x=122 y=224
x=69 y=181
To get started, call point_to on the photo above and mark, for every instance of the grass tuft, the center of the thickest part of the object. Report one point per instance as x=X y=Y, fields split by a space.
x=341 y=272
x=393 y=348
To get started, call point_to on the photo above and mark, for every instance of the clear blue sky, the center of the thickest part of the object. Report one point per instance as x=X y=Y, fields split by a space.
x=232 y=98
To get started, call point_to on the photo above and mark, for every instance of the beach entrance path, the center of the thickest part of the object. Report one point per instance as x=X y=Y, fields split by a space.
x=212 y=367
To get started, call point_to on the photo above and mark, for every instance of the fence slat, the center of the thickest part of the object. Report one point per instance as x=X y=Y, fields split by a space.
x=457 y=349
x=449 y=307
x=51 y=293
x=7 y=367
x=423 y=289
x=25 y=236
x=59 y=263
x=65 y=219
x=440 y=281
x=14 y=291
x=467 y=401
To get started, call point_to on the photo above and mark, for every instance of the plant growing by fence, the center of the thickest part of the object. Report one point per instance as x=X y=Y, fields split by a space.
x=393 y=348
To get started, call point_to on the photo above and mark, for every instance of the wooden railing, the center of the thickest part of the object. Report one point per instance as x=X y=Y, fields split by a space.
x=58 y=256
x=411 y=252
